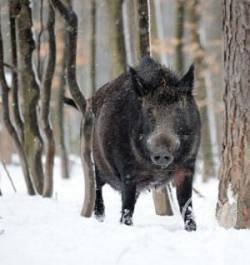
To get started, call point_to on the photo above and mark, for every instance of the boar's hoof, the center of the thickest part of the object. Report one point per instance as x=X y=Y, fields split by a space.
x=126 y=217
x=190 y=225
x=99 y=217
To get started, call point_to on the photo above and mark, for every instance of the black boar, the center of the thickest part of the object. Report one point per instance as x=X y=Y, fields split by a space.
x=146 y=133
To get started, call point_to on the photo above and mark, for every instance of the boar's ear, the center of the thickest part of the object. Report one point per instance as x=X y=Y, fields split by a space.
x=187 y=82
x=137 y=82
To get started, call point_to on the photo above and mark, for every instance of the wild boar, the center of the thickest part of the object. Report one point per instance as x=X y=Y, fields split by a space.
x=146 y=133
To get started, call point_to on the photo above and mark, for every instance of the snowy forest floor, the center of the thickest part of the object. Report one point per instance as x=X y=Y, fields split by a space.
x=39 y=231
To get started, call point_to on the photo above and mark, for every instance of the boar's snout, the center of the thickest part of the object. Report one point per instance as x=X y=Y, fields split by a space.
x=162 y=158
x=162 y=149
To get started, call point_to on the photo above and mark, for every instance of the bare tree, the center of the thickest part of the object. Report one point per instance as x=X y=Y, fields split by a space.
x=235 y=165
x=59 y=83
x=198 y=53
x=45 y=106
x=86 y=142
x=9 y=126
x=33 y=144
x=13 y=11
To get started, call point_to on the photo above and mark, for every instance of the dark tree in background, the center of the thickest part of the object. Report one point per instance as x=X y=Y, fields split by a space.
x=179 y=31
x=235 y=167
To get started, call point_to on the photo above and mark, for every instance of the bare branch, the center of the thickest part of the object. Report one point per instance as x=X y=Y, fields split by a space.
x=9 y=176
x=71 y=19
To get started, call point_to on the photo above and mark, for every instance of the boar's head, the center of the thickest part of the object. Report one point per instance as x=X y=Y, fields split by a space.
x=170 y=119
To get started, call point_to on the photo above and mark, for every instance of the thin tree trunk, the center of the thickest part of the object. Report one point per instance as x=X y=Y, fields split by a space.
x=160 y=196
x=200 y=68
x=235 y=166
x=71 y=19
x=45 y=107
x=93 y=48
x=59 y=90
x=116 y=37
x=32 y=139
x=160 y=29
x=144 y=27
x=179 y=34
x=214 y=75
x=9 y=126
x=13 y=11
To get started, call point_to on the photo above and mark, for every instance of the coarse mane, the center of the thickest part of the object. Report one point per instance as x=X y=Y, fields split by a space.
x=156 y=75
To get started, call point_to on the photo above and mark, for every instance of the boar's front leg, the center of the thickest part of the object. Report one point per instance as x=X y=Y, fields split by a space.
x=183 y=180
x=128 y=199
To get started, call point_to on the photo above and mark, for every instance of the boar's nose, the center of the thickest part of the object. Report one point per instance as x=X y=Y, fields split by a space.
x=162 y=158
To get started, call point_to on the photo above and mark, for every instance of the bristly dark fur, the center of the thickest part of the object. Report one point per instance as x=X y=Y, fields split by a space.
x=146 y=114
x=155 y=74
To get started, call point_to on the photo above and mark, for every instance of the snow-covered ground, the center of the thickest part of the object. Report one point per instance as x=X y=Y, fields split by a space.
x=39 y=231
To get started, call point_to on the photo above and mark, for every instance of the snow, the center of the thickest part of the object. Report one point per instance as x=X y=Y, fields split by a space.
x=39 y=231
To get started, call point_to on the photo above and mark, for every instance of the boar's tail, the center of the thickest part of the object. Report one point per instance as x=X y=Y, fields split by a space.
x=70 y=102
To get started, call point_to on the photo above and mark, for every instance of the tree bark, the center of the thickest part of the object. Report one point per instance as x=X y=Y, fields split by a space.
x=144 y=28
x=116 y=37
x=33 y=145
x=93 y=48
x=9 y=126
x=13 y=11
x=179 y=34
x=59 y=84
x=45 y=107
x=88 y=164
x=235 y=166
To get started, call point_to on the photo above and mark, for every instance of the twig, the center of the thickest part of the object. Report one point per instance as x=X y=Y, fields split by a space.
x=198 y=193
x=8 y=174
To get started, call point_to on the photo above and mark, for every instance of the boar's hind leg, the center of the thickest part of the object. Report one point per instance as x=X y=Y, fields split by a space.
x=184 y=197
x=99 y=204
x=128 y=199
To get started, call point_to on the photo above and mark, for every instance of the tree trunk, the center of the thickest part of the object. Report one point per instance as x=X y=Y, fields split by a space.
x=235 y=167
x=5 y=142
x=160 y=196
x=7 y=121
x=93 y=48
x=213 y=51
x=198 y=54
x=13 y=11
x=49 y=142
x=59 y=83
x=116 y=37
x=32 y=139
x=72 y=29
x=179 y=34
